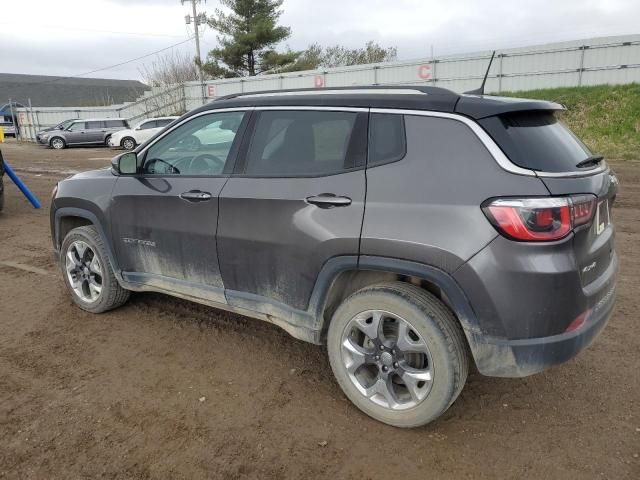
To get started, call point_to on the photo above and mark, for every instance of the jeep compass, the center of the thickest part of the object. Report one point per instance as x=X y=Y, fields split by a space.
x=411 y=230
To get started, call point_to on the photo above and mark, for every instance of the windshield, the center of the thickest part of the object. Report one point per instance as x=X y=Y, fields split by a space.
x=64 y=124
x=537 y=141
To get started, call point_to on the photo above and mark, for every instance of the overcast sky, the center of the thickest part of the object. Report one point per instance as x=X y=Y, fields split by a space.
x=69 y=37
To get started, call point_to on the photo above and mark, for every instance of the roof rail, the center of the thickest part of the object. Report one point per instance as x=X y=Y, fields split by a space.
x=365 y=90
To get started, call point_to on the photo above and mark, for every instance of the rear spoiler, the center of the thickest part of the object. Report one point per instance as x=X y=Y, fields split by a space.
x=482 y=106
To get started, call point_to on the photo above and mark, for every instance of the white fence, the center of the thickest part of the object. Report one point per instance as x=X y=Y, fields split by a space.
x=606 y=60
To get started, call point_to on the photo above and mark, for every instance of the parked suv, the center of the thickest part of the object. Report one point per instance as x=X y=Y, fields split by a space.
x=143 y=131
x=411 y=230
x=91 y=131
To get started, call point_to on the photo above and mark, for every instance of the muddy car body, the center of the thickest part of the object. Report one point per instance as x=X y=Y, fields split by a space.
x=412 y=230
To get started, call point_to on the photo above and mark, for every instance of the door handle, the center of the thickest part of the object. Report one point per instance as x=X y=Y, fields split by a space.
x=196 y=196
x=328 y=200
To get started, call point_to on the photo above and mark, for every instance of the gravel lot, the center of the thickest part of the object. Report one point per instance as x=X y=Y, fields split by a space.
x=162 y=388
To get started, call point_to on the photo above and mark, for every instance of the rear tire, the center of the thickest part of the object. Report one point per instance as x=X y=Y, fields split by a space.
x=57 y=143
x=88 y=273
x=405 y=377
x=106 y=140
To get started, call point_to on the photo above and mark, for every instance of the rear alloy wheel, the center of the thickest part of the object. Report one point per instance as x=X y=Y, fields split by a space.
x=57 y=143
x=398 y=353
x=106 y=140
x=128 y=143
x=88 y=273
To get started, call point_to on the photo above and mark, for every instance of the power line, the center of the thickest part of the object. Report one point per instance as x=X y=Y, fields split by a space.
x=92 y=30
x=117 y=64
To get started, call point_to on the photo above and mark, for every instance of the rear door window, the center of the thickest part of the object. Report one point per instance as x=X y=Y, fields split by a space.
x=537 y=141
x=306 y=143
x=95 y=125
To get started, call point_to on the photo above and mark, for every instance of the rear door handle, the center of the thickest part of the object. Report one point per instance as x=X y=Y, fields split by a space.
x=328 y=200
x=196 y=196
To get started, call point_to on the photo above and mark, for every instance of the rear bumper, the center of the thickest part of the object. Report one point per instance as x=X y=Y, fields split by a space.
x=498 y=357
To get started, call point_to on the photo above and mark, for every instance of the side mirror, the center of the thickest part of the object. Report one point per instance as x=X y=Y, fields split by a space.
x=126 y=163
x=60 y=128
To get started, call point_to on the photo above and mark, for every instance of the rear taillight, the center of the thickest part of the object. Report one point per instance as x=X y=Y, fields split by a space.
x=540 y=219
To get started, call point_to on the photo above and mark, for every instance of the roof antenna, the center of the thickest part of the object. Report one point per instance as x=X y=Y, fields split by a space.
x=480 y=91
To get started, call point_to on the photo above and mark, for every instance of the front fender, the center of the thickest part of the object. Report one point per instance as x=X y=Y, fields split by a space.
x=94 y=220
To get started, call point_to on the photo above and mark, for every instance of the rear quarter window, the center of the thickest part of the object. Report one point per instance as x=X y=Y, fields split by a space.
x=387 y=138
x=537 y=141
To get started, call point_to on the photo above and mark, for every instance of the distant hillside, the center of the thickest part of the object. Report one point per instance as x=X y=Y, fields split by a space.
x=46 y=91
x=605 y=117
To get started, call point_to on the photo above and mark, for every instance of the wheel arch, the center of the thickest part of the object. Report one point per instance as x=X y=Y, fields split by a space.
x=68 y=218
x=61 y=137
x=342 y=276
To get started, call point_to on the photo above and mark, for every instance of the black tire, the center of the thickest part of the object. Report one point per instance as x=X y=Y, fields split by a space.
x=433 y=322
x=124 y=143
x=106 y=140
x=112 y=294
x=57 y=143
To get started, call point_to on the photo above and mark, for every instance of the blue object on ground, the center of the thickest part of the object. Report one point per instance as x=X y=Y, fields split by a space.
x=20 y=184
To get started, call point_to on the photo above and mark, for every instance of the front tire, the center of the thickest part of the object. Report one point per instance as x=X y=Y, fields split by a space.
x=57 y=143
x=128 y=143
x=88 y=273
x=398 y=353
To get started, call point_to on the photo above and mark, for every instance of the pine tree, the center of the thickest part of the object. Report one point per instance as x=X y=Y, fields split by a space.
x=248 y=36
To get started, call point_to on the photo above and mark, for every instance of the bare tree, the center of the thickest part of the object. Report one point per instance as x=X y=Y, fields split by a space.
x=167 y=75
x=170 y=69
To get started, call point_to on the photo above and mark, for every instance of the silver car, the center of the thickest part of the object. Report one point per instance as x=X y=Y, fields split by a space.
x=89 y=131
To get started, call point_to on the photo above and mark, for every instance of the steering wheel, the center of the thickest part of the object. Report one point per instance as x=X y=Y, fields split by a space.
x=166 y=165
x=205 y=164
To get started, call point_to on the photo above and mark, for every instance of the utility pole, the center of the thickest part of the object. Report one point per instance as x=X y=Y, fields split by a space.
x=197 y=20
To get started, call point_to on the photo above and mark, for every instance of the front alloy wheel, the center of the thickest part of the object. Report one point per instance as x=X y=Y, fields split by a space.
x=84 y=271
x=57 y=143
x=128 y=144
x=88 y=273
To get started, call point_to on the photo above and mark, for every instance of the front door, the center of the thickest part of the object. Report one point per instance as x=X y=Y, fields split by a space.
x=295 y=201
x=164 y=219
x=76 y=133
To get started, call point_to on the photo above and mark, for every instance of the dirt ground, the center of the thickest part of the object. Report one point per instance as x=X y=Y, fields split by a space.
x=162 y=388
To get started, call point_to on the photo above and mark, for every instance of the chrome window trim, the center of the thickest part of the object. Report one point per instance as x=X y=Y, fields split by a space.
x=498 y=155
x=495 y=151
x=313 y=108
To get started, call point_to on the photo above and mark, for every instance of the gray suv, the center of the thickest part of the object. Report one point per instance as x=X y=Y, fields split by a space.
x=90 y=131
x=411 y=230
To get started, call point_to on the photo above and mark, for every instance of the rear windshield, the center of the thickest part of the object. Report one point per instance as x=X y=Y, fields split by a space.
x=537 y=141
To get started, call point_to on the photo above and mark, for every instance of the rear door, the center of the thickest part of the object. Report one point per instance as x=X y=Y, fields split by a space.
x=164 y=219
x=295 y=201
x=95 y=132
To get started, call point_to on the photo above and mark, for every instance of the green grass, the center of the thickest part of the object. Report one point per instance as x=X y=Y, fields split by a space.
x=605 y=117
